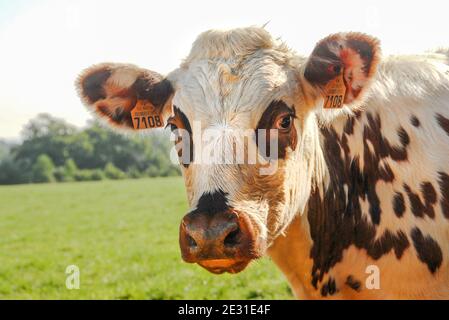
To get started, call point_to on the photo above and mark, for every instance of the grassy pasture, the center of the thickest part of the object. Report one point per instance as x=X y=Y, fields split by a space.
x=123 y=236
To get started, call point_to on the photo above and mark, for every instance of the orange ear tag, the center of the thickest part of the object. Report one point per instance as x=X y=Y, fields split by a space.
x=334 y=93
x=146 y=116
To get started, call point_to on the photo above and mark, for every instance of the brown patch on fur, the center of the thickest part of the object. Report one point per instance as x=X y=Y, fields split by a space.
x=153 y=87
x=429 y=252
x=398 y=204
x=334 y=216
x=382 y=147
x=358 y=114
x=443 y=122
x=444 y=189
x=419 y=209
x=353 y=283
x=385 y=173
x=429 y=193
x=329 y=288
x=114 y=102
x=335 y=54
x=415 y=121
x=92 y=84
x=403 y=137
x=339 y=212
x=366 y=48
x=349 y=125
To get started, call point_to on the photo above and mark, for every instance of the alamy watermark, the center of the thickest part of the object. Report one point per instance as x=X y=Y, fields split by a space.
x=225 y=146
x=73 y=277
x=372 y=282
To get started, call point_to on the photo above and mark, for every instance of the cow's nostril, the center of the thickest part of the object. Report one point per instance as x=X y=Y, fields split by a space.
x=233 y=238
x=191 y=242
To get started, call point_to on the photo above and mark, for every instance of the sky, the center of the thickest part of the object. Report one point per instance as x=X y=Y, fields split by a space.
x=45 y=44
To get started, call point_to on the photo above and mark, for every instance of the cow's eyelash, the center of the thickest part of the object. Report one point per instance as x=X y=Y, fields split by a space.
x=170 y=125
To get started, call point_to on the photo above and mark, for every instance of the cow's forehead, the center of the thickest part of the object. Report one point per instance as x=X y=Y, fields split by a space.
x=231 y=76
x=211 y=90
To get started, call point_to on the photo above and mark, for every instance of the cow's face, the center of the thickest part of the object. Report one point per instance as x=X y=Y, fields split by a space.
x=240 y=109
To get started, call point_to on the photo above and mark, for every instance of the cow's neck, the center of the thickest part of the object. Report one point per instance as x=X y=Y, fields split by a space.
x=291 y=250
x=332 y=219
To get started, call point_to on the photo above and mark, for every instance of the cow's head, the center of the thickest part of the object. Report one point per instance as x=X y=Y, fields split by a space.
x=222 y=101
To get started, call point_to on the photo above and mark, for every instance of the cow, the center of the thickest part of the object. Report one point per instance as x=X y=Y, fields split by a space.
x=357 y=206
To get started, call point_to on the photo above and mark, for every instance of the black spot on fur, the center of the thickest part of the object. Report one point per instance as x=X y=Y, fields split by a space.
x=415 y=121
x=403 y=136
x=382 y=147
x=349 y=126
x=119 y=115
x=339 y=212
x=385 y=173
x=212 y=202
x=397 y=242
x=443 y=122
x=329 y=288
x=154 y=88
x=398 y=204
x=419 y=209
x=92 y=85
x=365 y=50
x=323 y=56
x=353 y=283
x=324 y=63
x=358 y=114
x=415 y=202
x=444 y=188
x=429 y=193
x=429 y=252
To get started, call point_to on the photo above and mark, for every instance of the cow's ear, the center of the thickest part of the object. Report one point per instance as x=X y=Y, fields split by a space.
x=342 y=64
x=126 y=96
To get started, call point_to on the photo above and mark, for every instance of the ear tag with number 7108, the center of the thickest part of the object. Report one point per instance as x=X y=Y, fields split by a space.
x=146 y=116
x=334 y=93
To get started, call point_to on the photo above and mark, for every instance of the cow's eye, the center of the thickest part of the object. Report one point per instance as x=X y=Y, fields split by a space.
x=285 y=122
x=171 y=125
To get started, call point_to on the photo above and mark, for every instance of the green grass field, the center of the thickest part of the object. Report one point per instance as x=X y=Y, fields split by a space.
x=123 y=236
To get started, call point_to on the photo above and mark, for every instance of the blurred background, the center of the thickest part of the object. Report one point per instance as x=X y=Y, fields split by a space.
x=75 y=193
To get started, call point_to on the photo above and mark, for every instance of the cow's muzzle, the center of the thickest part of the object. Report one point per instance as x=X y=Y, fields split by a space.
x=219 y=242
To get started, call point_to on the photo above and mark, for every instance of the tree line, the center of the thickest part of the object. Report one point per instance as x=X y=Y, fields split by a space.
x=52 y=150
